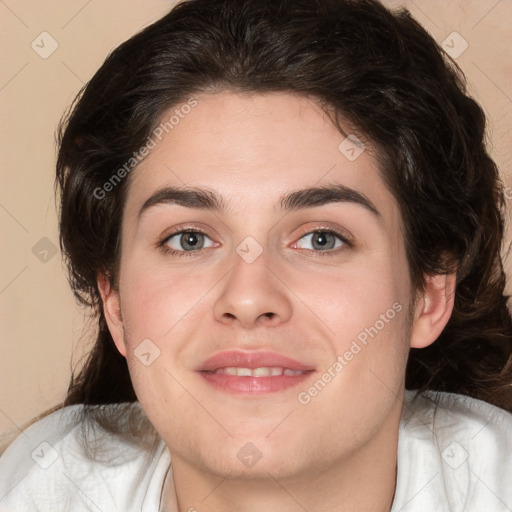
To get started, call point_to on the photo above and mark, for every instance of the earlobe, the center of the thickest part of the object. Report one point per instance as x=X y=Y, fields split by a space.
x=112 y=311
x=433 y=310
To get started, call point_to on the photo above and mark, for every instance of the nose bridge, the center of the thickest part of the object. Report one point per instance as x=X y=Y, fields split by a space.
x=252 y=293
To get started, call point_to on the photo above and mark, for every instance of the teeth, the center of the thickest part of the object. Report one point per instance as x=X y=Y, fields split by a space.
x=262 y=372
x=258 y=372
x=292 y=372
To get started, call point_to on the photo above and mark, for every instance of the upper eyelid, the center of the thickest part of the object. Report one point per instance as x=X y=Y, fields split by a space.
x=346 y=239
x=182 y=230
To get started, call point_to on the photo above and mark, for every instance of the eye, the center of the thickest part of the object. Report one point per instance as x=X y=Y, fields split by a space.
x=321 y=240
x=188 y=241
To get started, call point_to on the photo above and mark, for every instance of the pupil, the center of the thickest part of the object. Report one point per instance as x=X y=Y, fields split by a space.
x=190 y=241
x=321 y=240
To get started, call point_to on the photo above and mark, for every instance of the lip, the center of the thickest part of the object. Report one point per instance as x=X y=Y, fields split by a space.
x=250 y=385
x=252 y=360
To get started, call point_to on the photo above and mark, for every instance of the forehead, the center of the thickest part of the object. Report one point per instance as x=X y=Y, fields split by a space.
x=253 y=149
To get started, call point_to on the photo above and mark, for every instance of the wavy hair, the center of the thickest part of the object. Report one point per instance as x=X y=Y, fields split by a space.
x=376 y=69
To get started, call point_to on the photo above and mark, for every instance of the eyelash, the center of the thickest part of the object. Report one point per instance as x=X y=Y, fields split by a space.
x=188 y=254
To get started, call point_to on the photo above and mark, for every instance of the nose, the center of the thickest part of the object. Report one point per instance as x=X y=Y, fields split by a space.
x=253 y=295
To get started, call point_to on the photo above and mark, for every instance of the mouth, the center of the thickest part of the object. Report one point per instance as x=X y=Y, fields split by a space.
x=258 y=372
x=253 y=372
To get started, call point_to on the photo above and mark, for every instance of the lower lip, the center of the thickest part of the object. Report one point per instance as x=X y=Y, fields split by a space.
x=253 y=385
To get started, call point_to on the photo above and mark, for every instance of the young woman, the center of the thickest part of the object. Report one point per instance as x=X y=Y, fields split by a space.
x=284 y=216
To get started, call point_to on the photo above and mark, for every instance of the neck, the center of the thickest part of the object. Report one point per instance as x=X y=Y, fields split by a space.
x=364 y=480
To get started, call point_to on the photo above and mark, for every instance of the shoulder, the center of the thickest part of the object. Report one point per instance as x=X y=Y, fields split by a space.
x=455 y=452
x=71 y=460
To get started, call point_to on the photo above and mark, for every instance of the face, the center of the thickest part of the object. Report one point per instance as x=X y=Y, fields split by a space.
x=263 y=300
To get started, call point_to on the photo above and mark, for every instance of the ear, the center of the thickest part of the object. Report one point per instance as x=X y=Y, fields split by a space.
x=112 y=311
x=433 y=309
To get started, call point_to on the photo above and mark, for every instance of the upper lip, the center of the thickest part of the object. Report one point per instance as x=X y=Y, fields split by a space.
x=252 y=360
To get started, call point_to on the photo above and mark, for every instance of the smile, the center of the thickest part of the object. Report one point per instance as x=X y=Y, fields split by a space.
x=258 y=372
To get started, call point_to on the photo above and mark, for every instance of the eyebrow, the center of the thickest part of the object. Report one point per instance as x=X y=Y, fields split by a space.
x=205 y=199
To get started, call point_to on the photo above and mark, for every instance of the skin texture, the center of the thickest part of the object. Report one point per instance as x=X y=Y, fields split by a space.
x=338 y=451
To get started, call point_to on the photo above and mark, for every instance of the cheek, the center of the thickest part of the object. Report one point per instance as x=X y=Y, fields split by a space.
x=155 y=299
x=367 y=314
x=159 y=308
x=368 y=292
x=366 y=309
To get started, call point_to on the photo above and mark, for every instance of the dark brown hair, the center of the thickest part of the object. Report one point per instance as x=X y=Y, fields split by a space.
x=389 y=81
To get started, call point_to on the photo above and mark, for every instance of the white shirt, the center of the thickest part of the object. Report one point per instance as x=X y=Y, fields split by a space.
x=456 y=457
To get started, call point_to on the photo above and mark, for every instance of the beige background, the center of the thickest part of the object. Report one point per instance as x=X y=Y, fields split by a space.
x=42 y=330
